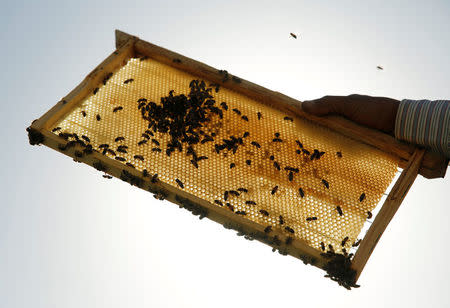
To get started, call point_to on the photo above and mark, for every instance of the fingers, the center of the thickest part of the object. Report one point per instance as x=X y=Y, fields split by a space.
x=320 y=107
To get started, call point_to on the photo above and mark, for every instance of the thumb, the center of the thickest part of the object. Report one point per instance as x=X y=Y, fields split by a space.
x=318 y=107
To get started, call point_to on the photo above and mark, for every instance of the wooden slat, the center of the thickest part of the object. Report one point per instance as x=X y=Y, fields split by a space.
x=387 y=211
x=433 y=165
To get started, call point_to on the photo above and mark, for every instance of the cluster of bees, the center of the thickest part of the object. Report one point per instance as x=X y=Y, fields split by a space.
x=186 y=120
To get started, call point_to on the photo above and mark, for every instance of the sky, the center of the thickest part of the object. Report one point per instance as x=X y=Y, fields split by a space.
x=69 y=238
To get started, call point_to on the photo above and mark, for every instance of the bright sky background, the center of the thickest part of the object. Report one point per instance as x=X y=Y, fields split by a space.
x=69 y=238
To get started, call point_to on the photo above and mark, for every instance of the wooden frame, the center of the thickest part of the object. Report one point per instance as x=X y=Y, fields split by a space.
x=413 y=160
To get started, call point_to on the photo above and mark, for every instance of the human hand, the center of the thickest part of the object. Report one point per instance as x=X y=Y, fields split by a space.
x=374 y=112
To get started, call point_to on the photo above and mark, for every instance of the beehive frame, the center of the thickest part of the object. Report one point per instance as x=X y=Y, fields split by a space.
x=412 y=160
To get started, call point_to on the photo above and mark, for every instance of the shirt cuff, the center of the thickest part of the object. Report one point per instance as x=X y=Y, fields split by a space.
x=425 y=123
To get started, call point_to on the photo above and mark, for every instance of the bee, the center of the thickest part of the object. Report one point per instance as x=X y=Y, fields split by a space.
x=259 y=115
x=281 y=220
x=289 y=240
x=128 y=80
x=179 y=183
x=109 y=75
x=369 y=214
x=299 y=144
x=218 y=202
x=95 y=91
x=232 y=165
x=176 y=60
x=272 y=157
x=264 y=212
x=62 y=147
x=267 y=229
x=230 y=207
x=289 y=229
x=276 y=165
x=293 y=35
x=194 y=162
x=86 y=138
x=110 y=152
x=245 y=118
x=322 y=246
x=142 y=142
x=277 y=134
x=224 y=105
x=98 y=117
x=330 y=248
x=344 y=241
x=122 y=150
x=296 y=170
x=202 y=158
x=298 y=151
x=83 y=113
x=256 y=144
x=119 y=139
x=248 y=162
x=117 y=108
x=311 y=218
x=140 y=157
x=362 y=197
x=325 y=183
x=249 y=202
x=236 y=79
x=103 y=145
x=155 y=142
x=233 y=192
x=243 y=190
x=143 y=58
x=130 y=165
x=154 y=178
x=301 y=192
x=339 y=210
x=106 y=176
x=380 y=67
x=145 y=173
x=305 y=151
x=288 y=119
x=155 y=149
x=142 y=100
x=274 y=190
x=291 y=176
x=356 y=244
x=339 y=154
x=241 y=212
x=277 y=140
x=56 y=129
x=225 y=195
x=78 y=154
x=237 y=111
x=119 y=158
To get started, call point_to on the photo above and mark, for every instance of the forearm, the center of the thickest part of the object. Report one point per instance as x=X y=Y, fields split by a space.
x=425 y=123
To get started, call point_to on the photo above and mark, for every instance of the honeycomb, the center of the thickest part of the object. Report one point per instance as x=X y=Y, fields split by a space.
x=349 y=174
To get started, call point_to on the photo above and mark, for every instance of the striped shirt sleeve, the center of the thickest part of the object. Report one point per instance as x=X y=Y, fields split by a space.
x=425 y=123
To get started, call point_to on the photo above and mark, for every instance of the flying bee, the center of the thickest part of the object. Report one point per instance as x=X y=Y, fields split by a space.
x=362 y=197
x=322 y=246
x=119 y=139
x=250 y=202
x=264 y=212
x=154 y=178
x=311 y=218
x=267 y=229
x=179 y=183
x=128 y=80
x=380 y=67
x=106 y=176
x=288 y=119
x=339 y=210
x=56 y=129
x=344 y=241
x=245 y=118
x=83 y=113
x=325 y=183
x=98 y=117
x=218 y=202
x=142 y=142
x=293 y=35
x=369 y=214
x=117 y=108
x=95 y=91
x=289 y=229
x=274 y=190
x=301 y=192
x=356 y=244
x=241 y=212
x=140 y=157
x=281 y=220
